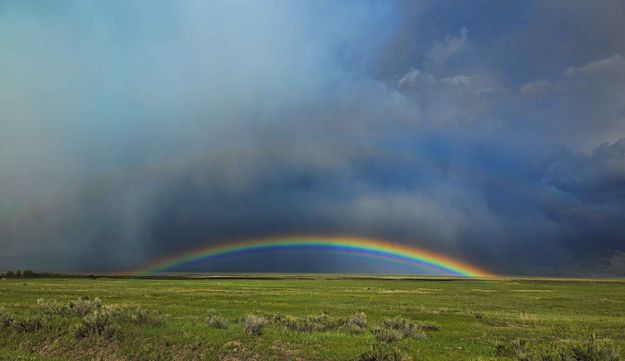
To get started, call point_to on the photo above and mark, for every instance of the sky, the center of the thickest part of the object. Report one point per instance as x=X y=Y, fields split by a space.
x=492 y=132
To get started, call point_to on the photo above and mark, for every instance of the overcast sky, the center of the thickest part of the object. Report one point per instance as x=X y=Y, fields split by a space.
x=490 y=131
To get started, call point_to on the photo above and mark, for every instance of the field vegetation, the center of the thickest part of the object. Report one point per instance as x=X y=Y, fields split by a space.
x=105 y=318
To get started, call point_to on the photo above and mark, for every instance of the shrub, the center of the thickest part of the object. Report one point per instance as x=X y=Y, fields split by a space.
x=215 y=320
x=140 y=316
x=6 y=318
x=51 y=307
x=428 y=326
x=320 y=322
x=312 y=323
x=296 y=324
x=356 y=322
x=323 y=322
x=100 y=322
x=383 y=352
x=29 y=324
x=591 y=349
x=83 y=306
x=277 y=317
x=406 y=327
x=385 y=347
x=513 y=348
x=387 y=335
x=79 y=307
x=96 y=319
x=254 y=325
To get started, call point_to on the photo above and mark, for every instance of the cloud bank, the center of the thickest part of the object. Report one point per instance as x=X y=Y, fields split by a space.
x=135 y=130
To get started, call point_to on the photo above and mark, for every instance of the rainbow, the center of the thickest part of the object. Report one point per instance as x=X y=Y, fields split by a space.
x=359 y=246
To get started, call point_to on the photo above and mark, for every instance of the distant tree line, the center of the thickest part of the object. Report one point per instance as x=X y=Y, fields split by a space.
x=20 y=274
x=32 y=274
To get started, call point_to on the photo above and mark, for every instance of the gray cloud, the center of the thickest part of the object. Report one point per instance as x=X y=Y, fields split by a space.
x=597 y=177
x=130 y=134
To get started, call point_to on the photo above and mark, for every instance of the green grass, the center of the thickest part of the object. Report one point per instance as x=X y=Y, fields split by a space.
x=475 y=317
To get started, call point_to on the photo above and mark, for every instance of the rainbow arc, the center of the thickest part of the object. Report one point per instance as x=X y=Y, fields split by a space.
x=394 y=252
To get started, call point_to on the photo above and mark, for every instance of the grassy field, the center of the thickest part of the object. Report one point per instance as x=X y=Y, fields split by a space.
x=315 y=319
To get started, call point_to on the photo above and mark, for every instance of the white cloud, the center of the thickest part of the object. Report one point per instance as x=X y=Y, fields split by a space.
x=474 y=83
x=539 y=87
x=413 y=77
x=451 y=45
x=611 y=64
x=606 y=72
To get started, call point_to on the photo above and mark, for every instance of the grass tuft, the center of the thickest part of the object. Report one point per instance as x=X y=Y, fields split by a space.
x=215 y=320
x=6 y=317
x=356 y=322
x=428 y=326
x=79 y=307
x=405 y=327
x=140 y=316
x=385 y=347
x=591 y=349
x=312 y=323
x=387 y=335
x=384 y=352
x=254 y=325
x=51 y=307
x=29 y=324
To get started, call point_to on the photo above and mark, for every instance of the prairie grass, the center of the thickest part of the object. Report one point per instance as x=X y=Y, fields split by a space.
x=336 y=319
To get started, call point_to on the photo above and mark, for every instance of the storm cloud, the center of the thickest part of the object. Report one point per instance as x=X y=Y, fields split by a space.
x=492 y=132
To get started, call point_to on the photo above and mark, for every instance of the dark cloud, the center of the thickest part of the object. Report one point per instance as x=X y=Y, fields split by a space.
x=492 y=132
x=598 y=177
